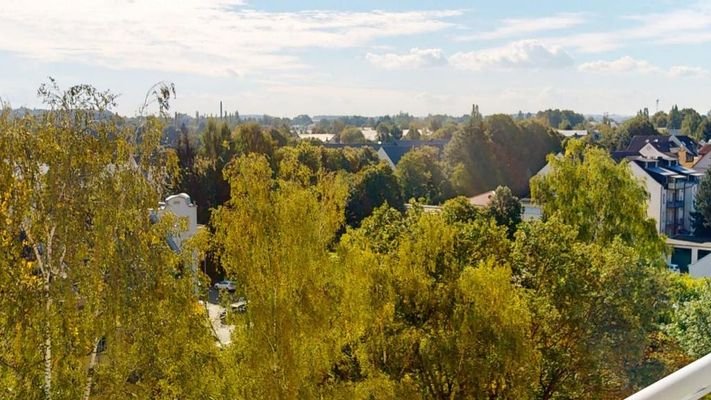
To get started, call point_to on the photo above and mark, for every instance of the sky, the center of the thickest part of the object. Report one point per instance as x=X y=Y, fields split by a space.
x=286 y=58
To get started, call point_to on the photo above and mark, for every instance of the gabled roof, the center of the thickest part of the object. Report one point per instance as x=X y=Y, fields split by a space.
x=705 y=149
x=664 y=144
x=689 y=143
x=659 y=142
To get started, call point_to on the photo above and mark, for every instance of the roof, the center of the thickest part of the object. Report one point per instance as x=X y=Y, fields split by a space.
x=621 y=155
x=482 y=200
x=395 y=152
x=705 y=149
x=660 y=142
x=572 y=132
x=683 y=170
x=689 y=143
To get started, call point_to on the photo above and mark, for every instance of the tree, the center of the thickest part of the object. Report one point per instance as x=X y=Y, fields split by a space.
x=251 y=138
x=90 y=287
x=505 y=209
x=413 y=133
x=593 y=307
x=691 y=324
x=351 y=135
x=703 y=132
x=421 y=176
x=675 y=118
x=599 y=197
x=459 y=209
x=372 y=187
x=660 y=119
x=701 y=216
x=637 y=126
x=274 y=235
x=441 y=323
x=690 y=122
x=499 y=151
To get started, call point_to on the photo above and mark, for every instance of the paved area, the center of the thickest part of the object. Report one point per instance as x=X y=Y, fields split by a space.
x=223 y=332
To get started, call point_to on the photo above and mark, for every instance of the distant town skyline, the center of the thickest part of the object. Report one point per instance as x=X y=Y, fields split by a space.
x=370 y=58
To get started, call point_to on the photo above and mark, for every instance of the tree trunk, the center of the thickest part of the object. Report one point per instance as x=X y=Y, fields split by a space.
x=90 y=370
x=47 y=343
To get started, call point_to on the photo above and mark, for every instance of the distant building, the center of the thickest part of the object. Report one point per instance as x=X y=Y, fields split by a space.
x=680 y=147
x=530 y=210
x=671 y=188
x=703 y=161
x=182 y=207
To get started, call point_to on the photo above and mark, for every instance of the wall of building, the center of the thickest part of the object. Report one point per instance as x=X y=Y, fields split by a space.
x=657 y=196
x=704 y=163
x=182 y=207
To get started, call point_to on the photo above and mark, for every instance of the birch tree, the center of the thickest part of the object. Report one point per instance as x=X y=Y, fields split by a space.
x=89 y=294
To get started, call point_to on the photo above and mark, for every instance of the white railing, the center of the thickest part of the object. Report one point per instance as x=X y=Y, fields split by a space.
x=689 y=383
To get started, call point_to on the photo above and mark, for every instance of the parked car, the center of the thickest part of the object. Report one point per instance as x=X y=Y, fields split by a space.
x=239 y=306
x=226 y=285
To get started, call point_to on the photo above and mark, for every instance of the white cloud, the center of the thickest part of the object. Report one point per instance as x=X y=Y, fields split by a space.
x=521 y=54
x=415 y=58
x=622 y=64
x=629 y=64
x=210 y=37
x=684 y=71
x=519 y=26
x=680 y=26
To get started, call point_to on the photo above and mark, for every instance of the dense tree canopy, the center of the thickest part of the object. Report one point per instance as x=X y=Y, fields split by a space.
x=498 y=151
x=348 y=293
x=94 y=302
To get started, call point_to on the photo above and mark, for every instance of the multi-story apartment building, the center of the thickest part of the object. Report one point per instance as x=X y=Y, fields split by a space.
x=671 y=188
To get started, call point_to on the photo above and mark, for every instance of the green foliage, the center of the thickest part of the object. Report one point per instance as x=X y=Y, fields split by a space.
x=497 y=152
x=701 y=216
x=430 y=308
x=561 y=119
x=274 y=235
x=90 y=304
x=372 y=187
x=675 y=118
x=459 y=209
x=505 y=209
x=351 y=135
x=637 y=126
x=599 y=197
x=593 y=305
x=691 y=325
x=660 y=119
x=422 y=177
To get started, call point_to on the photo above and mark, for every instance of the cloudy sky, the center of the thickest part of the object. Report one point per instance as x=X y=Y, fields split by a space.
x=365 y=57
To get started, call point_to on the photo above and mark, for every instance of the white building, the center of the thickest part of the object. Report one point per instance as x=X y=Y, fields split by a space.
x=183 y=208
x=671 y=189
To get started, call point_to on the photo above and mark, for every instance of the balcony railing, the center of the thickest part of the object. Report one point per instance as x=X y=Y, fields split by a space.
x=675 y=203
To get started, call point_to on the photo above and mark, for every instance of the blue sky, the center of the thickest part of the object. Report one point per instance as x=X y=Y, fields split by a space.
x=368 y=57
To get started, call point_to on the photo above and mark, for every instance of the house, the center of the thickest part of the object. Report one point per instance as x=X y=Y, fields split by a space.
x=183 y=208
x=671 y=188
x=691 y=254
x=392 y=152
x=703 y=161
x=680 y=147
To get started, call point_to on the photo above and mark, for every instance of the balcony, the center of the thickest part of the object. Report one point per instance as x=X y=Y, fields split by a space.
x=677 y=185
x=675 y=203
